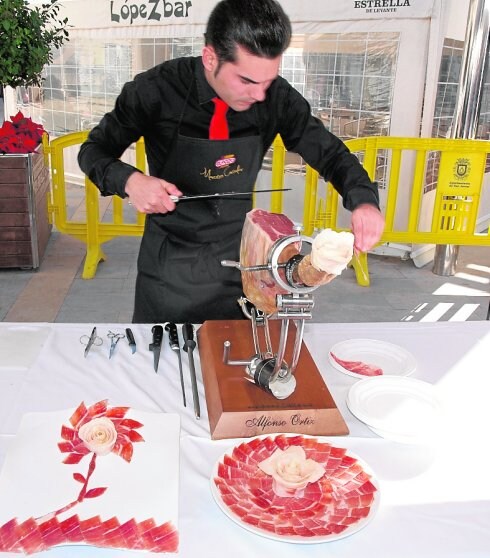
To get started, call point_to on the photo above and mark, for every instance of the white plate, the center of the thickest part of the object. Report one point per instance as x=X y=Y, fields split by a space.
x=246 y=492
x=392 y=359
x=402 y=409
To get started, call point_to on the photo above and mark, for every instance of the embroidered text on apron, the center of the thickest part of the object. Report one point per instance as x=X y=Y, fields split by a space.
x=180 y=277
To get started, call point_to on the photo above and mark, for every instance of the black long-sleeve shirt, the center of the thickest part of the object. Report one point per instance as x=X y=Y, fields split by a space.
x=152 y=105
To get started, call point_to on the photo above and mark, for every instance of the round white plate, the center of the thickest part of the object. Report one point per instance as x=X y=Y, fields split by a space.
x=247 y=495
x=402 y=409
x=392 y=359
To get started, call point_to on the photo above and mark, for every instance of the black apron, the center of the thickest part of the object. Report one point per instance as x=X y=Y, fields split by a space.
x=180 y=277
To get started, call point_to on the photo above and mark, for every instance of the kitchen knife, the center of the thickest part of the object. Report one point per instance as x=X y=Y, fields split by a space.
x=156 y=345
x=173 y=341
x=176 y=199
x=189 y=346
x=131 y=341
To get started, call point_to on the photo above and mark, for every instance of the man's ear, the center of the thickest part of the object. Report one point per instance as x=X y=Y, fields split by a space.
x=209 y=58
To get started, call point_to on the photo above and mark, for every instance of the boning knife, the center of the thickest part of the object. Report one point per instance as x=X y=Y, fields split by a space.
x=156 y=345
x=173 y=341
x=189 y=346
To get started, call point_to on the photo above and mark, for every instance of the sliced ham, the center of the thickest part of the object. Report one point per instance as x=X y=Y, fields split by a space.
x=339 y=500
x=358 y=366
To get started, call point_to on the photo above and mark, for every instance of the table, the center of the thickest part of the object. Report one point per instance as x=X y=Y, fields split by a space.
x=435 y=501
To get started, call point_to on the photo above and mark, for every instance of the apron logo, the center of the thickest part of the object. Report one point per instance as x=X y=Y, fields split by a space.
x=225 y=161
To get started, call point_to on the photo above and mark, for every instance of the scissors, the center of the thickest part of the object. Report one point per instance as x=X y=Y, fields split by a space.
x=114 y=337
x=88 y=341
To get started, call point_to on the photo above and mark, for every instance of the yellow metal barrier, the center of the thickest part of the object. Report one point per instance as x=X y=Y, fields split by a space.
x=92 y=230
x=456 y=168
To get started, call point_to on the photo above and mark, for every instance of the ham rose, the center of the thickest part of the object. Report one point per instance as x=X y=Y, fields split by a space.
x=291 y=471
x=99 y=435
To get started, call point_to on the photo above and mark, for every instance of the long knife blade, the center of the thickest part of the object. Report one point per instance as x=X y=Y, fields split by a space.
x=156 y=345
x=176 y=199
x=189 y=346
x=173 y=341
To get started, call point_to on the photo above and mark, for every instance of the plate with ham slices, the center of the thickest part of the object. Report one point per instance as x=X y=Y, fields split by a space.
x=335 y=503
x=363 y=358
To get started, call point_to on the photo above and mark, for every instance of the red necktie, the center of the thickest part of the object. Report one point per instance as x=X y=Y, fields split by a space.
x=218 y=128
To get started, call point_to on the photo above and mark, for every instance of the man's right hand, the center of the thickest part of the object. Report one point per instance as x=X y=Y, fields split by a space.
x=149 y=194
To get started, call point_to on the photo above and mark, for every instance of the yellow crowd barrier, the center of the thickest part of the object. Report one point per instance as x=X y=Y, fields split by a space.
x=441 y=178
x=93 y=231
x=453 y=169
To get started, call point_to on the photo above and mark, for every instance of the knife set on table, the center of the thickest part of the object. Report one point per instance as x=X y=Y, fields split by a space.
x=189 y=346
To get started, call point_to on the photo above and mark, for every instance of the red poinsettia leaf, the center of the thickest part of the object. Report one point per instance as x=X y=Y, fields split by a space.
x=18 y=117
x=78 y=415
x=65 y=447
x=135 y=436
x=117 y=412
x=78 y=477
x=68 y=433
x=73 y=458
x=97 y=409
x=94 y=492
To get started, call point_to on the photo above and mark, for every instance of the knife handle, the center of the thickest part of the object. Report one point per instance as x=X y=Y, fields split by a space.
x=173 y=336
x=188 y=335
x=130 y=336
x=157 y=331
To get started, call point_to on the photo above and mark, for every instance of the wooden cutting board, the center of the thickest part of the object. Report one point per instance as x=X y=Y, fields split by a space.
x=238 y=408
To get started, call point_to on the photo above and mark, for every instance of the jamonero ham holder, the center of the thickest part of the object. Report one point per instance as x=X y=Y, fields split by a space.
x=259 y=376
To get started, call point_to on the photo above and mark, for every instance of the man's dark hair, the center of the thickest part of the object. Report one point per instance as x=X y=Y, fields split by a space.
x=259 y=26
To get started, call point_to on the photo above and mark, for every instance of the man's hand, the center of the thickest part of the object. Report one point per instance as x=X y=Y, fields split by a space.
x=149 y=194
x=367 y=225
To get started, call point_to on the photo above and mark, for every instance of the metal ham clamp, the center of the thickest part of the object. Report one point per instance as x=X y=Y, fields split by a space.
x=278 y=281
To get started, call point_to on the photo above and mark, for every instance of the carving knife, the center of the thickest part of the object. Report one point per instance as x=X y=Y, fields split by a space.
x=131 y=341
x=189 y=346
x=176 y=199
x=156 y=345
x=173 y=341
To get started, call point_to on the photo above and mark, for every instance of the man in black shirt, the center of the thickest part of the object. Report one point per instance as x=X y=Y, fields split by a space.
x=180 y=277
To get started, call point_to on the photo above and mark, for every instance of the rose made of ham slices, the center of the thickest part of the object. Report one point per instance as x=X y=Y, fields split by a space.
x=99 y=435
x=291 y=471
x=331 y=251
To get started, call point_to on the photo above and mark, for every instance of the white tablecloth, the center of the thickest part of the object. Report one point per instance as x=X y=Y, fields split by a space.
x=435 y=501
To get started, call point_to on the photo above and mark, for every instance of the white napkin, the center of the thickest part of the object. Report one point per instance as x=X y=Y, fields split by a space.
x=20 y=344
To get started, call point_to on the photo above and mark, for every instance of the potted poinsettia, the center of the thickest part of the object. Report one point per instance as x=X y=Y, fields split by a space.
x=24 y=188
x=30 y=33
x=20 y=135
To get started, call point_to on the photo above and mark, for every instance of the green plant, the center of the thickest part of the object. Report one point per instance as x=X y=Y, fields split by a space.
x=28 y=36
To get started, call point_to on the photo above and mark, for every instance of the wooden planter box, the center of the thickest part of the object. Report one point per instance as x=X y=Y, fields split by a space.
x=24 y=226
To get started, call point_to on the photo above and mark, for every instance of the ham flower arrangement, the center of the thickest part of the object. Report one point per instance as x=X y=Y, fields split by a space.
x=92 y=434
x=291 y=471
x=20 y=135
x=98 y=430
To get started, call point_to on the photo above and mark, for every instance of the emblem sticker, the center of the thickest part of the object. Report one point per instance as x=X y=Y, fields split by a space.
x=461 y=169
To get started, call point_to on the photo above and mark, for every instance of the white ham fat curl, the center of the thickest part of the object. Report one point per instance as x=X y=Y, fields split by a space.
x=260 y=231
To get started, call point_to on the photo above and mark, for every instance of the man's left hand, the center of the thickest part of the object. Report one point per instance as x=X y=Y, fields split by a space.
x=367 y=226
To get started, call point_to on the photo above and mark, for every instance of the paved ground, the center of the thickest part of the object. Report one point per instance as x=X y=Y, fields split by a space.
x=398 y=290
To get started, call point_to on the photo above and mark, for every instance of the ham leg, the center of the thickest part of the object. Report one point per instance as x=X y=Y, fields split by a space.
x=260 y=231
